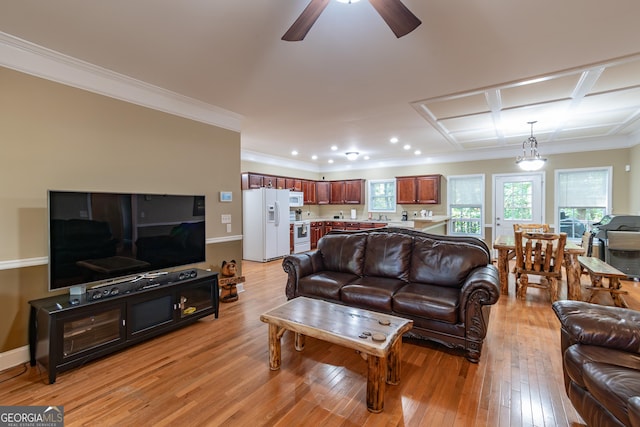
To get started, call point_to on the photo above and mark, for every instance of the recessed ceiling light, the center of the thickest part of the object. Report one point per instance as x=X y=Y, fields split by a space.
x=407 y=147
x=334 y=147
x=348 y=1
x=314 y=157
x=393 y=140
x=367 y=157
x=294 y=153
x=417 y=152
x=330 y=160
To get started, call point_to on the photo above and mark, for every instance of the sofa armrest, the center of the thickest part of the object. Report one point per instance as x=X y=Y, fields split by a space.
x=605 y=326
x=300 y=265
x=480 y=290
x=481 y=286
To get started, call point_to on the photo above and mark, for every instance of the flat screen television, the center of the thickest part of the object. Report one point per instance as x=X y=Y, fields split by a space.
x=98 y=237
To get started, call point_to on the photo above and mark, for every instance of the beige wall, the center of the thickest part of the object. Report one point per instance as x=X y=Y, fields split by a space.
x=634 y=179
x=57 y=137
x=625 y=199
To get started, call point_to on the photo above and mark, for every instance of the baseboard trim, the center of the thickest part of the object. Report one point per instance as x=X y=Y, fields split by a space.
x=14 y=357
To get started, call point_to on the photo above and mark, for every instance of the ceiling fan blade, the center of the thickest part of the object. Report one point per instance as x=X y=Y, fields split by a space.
x=397 y=16
x=305 y=21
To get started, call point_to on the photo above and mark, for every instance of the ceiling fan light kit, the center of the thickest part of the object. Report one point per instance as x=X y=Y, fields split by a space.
x=393 y=12
x=352 y=155
x=532 y=161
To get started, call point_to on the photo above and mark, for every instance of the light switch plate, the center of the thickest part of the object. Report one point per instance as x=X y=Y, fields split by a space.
x=226 y=218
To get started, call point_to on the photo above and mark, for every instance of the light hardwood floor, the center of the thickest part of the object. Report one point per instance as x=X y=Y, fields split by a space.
x=216 y=372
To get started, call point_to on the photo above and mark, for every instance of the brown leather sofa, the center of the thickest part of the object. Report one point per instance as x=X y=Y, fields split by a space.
x=445 y=284
x=601 y=361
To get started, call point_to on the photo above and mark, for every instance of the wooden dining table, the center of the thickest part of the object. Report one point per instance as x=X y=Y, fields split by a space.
x=506 y=247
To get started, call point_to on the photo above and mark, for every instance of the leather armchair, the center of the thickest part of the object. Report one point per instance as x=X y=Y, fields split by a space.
x=601 y=361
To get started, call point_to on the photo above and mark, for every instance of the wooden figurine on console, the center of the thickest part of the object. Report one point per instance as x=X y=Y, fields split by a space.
x=228 y=281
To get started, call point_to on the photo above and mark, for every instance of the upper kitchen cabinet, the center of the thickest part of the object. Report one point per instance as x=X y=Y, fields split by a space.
x=323 y=192
x=269 y=181
x=348 y=192
x=354 y=191
x=337 y=192
x=309 y=191
x=251 y=180
x=294 y=184
x=418 y=189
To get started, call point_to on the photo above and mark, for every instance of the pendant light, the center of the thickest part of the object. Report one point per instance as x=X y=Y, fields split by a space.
x=532 y=161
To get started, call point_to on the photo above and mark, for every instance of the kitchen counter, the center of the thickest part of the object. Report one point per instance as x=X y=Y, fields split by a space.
x=419 y=223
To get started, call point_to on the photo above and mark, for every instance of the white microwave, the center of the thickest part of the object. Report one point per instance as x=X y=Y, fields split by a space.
x=296 y=199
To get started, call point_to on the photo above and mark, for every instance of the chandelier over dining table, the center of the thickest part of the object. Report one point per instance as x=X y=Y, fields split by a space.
x=530 y=159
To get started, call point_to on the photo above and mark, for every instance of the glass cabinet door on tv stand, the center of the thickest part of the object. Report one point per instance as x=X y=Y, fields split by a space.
x=86 y=332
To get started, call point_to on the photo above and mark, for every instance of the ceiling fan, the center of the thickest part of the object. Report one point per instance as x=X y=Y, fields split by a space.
x=395 y=14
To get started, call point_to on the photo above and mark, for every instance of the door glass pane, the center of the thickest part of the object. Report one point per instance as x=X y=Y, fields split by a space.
x=518 y=201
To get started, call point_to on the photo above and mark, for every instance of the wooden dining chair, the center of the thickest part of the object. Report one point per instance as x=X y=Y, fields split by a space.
x=539 y=254
x=531 y=228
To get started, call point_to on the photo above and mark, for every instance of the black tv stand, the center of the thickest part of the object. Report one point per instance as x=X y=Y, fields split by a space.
x=66 y=331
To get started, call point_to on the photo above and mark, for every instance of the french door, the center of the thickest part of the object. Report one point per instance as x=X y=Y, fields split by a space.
x=519 y=198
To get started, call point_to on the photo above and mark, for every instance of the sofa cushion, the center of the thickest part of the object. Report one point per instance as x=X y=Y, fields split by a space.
x=388 y=255
x=612 y=386
x=374 y=293
x=444 y=263
x=324 y=284
x=577 y=356
x=429 y=301
x=344 y=254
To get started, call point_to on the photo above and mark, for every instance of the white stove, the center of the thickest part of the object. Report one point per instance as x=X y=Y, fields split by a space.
x=301 y=236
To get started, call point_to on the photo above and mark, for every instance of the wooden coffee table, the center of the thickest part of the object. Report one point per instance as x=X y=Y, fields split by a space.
x=377 y=337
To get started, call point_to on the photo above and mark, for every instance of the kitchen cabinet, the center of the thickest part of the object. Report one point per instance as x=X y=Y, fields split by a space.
x=323 y=192
x=317 y=231
x=309 y=191
x=336 y=195
x=418 y=189
x=291 y=244
x=353 y=191
x=293 y=184
x=367 y=225
x=347 y=192
x=269 y=181
x=251 y=180
x=337 y=225
x=281 y=183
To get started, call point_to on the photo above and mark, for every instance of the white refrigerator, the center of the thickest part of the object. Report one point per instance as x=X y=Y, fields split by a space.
x=265 y=222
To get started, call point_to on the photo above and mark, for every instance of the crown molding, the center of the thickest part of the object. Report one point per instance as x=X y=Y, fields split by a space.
x=29 y=58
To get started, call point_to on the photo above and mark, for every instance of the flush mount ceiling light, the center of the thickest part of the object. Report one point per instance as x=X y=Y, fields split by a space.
x=352 y=155
x=532 y=161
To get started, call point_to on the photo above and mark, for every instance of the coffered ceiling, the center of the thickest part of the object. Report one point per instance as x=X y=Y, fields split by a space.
x=462 y=86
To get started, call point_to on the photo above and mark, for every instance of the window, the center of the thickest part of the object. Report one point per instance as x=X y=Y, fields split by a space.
x=382 y=195
x=583 y=196
x=466 y=205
